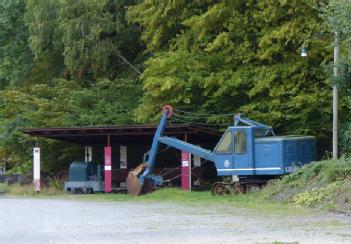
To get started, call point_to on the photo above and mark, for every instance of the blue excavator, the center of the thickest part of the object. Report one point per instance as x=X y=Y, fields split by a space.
x=248 y=154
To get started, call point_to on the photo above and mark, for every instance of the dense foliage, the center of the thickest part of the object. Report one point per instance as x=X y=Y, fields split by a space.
x=76 y=63
x=237 y=56
x=64 y=64
x=337 y=15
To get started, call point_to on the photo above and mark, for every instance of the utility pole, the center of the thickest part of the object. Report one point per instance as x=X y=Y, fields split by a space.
x=335 y=97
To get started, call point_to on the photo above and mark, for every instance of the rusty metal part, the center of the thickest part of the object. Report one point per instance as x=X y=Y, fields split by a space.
x=138 y=170
x=218 y=189
x=237 y=188
x=252 y=187
x=169 y=109
x=148 y=186
x=133 y=184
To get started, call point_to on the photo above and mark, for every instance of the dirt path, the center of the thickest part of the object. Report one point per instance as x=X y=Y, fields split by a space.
x=64 y=221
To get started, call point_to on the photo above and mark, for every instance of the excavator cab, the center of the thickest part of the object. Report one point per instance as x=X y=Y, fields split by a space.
x=234 y=151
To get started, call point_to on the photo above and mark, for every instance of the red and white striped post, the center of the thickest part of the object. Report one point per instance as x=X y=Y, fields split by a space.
x=108 y=166
x=36 y=169
x=185 y=170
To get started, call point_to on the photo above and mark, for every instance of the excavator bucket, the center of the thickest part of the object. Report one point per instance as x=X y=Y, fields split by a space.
x=133 y=184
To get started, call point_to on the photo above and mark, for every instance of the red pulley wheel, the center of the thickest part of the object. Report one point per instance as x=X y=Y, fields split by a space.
x=168 y=108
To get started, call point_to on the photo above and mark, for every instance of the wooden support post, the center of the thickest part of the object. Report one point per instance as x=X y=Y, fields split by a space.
x=335 y=97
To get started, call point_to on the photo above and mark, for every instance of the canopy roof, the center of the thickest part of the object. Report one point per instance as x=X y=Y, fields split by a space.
x=123 y=134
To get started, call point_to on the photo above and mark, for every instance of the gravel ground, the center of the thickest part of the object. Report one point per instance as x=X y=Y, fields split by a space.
x=24 y=220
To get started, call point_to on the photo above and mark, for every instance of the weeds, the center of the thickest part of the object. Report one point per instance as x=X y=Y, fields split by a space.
x=4 y=188
x=315 y=195
x=324 y=184
x=28 y=190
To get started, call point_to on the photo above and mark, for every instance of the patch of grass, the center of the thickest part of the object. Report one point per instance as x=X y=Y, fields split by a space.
x=53 y=188
x=324 y=184
x=28 y=190
x=173 y=195
x=196 y=198
x=4 y=188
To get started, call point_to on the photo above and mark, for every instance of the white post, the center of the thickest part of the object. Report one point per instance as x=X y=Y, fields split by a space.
x=123 y=161
x=36 y=169
x=335 y=97
x=88 y=154
x=197 y=163
x=123 y=157
x=189 y=171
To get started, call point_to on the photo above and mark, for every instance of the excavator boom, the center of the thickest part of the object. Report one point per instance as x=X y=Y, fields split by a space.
x=190 y=148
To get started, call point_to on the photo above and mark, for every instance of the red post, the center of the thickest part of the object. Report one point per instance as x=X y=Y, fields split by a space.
x=185 y=170
x=108 y=167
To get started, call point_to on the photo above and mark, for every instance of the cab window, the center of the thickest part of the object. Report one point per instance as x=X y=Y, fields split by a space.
x=240 y=141
x=225 y=145
x=259 y=133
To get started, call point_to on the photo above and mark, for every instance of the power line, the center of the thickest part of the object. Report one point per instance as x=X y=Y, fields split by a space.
x=194 y=116
x=198 y=123
x=129 y=63
x=203 y=114
x=191 y=118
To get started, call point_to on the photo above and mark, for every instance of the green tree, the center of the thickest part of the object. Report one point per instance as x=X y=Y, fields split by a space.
x=15 y=56
x=64 y=63
x=336 y=15
x=237 y=56
x=86 y=37
x=60 y=103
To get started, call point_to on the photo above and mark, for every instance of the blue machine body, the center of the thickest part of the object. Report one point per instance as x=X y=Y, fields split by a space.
x=274 y=155
x=246 y=149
